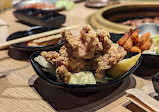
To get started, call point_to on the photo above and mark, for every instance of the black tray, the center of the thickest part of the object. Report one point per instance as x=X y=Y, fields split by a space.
x=40 y=17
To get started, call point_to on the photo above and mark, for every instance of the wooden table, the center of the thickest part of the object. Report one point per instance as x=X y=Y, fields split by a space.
x=22 y=91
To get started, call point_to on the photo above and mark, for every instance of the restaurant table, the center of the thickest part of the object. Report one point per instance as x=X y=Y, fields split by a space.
x=21 y=90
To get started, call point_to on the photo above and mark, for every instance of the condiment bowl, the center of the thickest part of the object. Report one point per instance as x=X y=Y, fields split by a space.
x=150 y=60
x=22 y=52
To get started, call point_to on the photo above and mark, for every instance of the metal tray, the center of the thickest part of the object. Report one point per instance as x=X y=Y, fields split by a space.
x=100 y=3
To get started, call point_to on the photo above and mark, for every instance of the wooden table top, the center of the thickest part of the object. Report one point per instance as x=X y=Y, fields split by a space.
x=22 y=91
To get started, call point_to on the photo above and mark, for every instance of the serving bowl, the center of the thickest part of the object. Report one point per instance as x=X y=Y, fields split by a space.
x=82 y=88
x=22 y=52
x=150 y=60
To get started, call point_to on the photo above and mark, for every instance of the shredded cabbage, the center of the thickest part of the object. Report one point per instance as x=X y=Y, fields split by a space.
x=47 y=67
x=42 y=61
x=83 y=77
x=154 y=47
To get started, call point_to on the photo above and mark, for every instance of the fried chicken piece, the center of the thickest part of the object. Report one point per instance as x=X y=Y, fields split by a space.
x=100 y=73
x=89 y=39
x=71 y=43
x=50 y=56
x=103 y=33
x=103 y=37
x=115 y=54
x=98 y=61
x=71 y=63
x=83 y=46
x=64 y=63
x=62 y=74
x=63 y=51
x=61 y=61
x=106 y=61
x=74 y=64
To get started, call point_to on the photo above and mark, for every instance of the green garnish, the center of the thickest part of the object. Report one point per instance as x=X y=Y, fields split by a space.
x=69 y=5
x=155 y=44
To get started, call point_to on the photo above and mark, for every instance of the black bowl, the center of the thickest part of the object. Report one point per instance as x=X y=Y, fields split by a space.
x=22 y=52
x=149 y=60
x=155 y=82
x=82 y=88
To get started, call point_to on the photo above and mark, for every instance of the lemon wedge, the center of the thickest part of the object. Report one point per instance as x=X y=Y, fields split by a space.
x=123 y=66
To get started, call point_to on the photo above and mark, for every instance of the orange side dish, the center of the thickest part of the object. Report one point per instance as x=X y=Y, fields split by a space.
x=132 y=43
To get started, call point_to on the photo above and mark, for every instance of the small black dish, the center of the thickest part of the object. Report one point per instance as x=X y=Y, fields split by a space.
x=81 y=88
x=155 y=82
x=40 y=17
x=22 y=52
x=149 y=60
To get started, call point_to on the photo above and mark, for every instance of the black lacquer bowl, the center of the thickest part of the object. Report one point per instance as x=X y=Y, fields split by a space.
x=149 y=60
x=81 y=88
x=22 y=52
